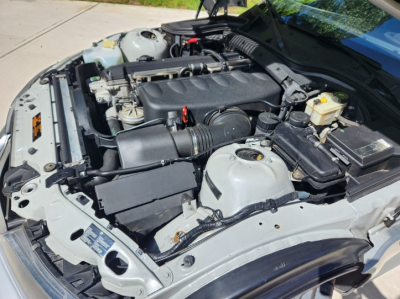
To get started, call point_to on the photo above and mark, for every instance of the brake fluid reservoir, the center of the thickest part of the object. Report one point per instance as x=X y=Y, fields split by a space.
x=326 y=107
x=144 y=41
x=106 y=52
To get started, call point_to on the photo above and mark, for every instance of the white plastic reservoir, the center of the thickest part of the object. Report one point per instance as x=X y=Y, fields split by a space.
x=106 y=52
x=144 y=41
x=324 y=109
x=238 y=175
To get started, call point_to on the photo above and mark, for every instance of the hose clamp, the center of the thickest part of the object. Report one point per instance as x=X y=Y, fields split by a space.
x=194 y=141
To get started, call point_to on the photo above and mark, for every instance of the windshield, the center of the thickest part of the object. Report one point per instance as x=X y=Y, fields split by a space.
x=357 y=24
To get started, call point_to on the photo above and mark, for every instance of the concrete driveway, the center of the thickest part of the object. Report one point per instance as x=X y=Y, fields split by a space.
x=37 y=34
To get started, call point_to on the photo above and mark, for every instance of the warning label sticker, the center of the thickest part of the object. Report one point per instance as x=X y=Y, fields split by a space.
x=372 y=148
x=36 y=127
x=98 y=241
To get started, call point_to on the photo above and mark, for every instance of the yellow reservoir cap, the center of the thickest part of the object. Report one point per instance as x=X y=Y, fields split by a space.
x=109 y=43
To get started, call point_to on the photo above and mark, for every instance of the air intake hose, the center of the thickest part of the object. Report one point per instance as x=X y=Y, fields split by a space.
x=220 y=127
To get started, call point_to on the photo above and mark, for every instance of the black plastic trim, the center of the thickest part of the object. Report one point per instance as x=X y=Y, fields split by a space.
x=204 y=26
x=17 y=177
x=289 y=272
x=373 y=184
x=65 y=154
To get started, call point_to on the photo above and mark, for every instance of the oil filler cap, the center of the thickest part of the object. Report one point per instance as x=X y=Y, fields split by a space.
x=267 y=121
x=299 y=119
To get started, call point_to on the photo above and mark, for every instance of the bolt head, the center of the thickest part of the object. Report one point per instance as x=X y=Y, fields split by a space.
x=297 y=174
x=188 y=261
x=49 y=167
x=44 y=81
x=265 y=143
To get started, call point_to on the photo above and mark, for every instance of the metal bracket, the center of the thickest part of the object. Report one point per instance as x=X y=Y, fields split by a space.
x=390 y=219
x=17 y=177
x=60 y=176
x=189 y=206
x=293 y=93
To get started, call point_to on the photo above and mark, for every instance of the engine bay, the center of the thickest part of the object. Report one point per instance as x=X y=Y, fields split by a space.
x=160 y=117
x=167 y=112
x=177 y=138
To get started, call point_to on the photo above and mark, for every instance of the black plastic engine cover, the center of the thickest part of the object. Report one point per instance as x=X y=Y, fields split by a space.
x=202 y=94
x=317 y=164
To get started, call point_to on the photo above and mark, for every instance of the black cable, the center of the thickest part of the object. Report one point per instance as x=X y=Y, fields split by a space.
x=221 y=222
x=130 y=170
x=156 y=121
x=98 y=172
x=314 y=200
x=170 y=50
x=223 y=228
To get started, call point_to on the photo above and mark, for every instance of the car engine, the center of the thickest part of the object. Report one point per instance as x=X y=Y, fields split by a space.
x=177 y=117
x=178 y=137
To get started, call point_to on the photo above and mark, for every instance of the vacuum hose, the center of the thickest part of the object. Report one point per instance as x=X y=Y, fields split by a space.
x=110 y=163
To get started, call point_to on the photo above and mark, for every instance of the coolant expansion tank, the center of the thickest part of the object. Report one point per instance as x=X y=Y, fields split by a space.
x=239 y=175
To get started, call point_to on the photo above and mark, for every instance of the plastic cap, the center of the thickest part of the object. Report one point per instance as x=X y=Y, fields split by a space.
x=267 y=121
x=299 y=119
x=340 y=97
x=109 y=43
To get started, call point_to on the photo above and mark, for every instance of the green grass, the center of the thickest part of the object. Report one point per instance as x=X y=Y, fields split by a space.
x=186 y=4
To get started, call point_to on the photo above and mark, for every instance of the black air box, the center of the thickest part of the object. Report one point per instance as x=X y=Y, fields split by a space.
x=363 y=146
x=156 y=194
x=202 y=94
